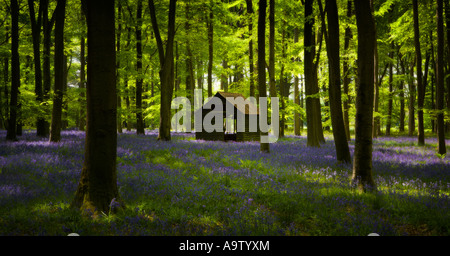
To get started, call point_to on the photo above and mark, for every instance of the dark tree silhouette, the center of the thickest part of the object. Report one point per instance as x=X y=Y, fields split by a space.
x=264 y=147
x=362 y=164
x=98 y=183
x=60 y=67
x=337 y=119
x=11 y=134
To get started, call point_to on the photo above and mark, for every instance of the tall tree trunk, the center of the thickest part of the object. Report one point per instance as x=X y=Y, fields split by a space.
x=272 y=86
x=412 y=99
x=337 y=119
x=440 y=78
x=210 y=48
x=139 y=79
x=376 y=119
x=264 y=147
x=15 y=72
x=282 y=120
x=310 y=90
x=421 y=91
x=166 y=61
x=46 y=72
x=118 y=49
x=97 y=187
x=36 y=35
x=56 y=124
x=362 y=164
x=297 y=91
x=346 y=72
x=447 y=79
x=250 y=48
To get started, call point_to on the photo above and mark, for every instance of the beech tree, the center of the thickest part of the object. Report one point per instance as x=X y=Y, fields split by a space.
x=98 y=183
x=362 y=163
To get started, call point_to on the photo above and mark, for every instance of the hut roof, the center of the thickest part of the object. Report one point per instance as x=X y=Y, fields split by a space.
x=248 y=109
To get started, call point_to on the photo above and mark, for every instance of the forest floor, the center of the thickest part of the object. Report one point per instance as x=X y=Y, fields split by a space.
x=191 y=187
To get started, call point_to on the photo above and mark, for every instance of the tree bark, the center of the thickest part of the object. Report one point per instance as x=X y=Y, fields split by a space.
x=166 y=61
x=297 y=91
x=440 y=78
x=264 y=147
x=56 y=124
x=98 y=183
x=346 y=72
x=11 y=133
x=421 y=91
x=250 y=47
x=391 y=88
x=46 y=72
x=310 y=78
x=337 y=119
x=272 y=86
x=362 y=164
x=36 y=25
x=210 y=48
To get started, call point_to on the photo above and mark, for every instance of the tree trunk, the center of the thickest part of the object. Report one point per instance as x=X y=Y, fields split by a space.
x=362 y=164
x=412 y=99
x=346 y=72
x=139 y=79
x=210 y=48
x=15 y=72
x=166 y=68
x=297 y=91
x=56 y=124
x=97 y=187
x=272 y=86
x=376 y=119
x=440 y=91
x=264 y=147
x=118 y=49
x=282 y=120
x=36 y=35
x=47 y=29
x=250 y=48
x=421 y=91
x=337 y=119
x=310 y=90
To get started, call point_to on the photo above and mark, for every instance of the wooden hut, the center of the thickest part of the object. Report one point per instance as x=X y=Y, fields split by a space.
x=249 y=111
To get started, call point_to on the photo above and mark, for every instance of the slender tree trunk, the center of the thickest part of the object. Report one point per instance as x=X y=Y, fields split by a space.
x=250 y=48
x=47 y=34
x=15 y=72
x=272 y=86
x=376 y=119
x=297 y=91
x=139 y=79
x=440 y=78
x=282 y=120
x=166 y=68
x=337 y=119
x=362 y=164
x=346 y=72
x=118 y=49
x=310 y=91
x=421 y=91
x=210 y=48
x=36 y=35
x=97 y=187
x=56 y=124
x=412 y=99
x=264 y=147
